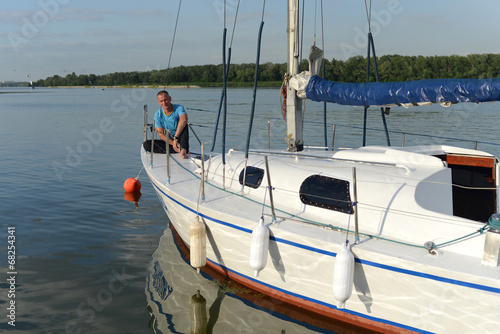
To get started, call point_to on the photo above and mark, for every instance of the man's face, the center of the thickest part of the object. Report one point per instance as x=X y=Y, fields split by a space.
x=164 y=100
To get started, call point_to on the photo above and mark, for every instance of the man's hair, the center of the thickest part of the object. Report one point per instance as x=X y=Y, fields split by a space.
x=162 y=92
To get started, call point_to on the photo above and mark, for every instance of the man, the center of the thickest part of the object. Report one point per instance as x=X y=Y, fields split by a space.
x=174 y=118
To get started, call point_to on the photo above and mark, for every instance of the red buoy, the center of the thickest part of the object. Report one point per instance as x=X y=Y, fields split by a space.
x=132 y=184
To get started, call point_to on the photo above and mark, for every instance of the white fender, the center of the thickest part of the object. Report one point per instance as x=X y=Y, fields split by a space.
x=343 y=275
x=197 y=244
x=259 y=247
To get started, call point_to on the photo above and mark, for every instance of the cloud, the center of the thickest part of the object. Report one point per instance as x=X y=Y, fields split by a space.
x=85 y=14
x=66 y=13
x=103 y=32
x=426 y=19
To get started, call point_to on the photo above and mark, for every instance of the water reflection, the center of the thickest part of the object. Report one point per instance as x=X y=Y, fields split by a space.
x=182 y=301
x=132 y=196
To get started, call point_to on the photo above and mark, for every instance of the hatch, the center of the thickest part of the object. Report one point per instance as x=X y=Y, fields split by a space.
x=253 y=176
x=326 y=192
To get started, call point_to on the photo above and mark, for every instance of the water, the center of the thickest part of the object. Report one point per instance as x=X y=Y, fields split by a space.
x=86 y=260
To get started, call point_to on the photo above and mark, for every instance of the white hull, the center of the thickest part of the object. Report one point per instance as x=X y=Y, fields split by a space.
x=397 y=287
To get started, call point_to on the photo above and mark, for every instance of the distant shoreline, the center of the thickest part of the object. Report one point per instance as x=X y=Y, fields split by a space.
x=156 y=86
x=102 y=87
x=28 y=89
x=127 y=86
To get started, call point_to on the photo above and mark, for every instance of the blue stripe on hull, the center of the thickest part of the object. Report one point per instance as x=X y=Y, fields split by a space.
x=365 y=262
x=332 y=254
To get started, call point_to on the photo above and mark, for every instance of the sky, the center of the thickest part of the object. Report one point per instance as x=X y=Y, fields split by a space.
x=42 y=38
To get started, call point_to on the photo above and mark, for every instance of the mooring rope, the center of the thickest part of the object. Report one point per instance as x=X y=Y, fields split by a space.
x=137 y=177
x=494 y=223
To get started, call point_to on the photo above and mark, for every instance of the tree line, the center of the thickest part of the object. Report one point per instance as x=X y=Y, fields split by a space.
x=14 y=84
x=390 y=68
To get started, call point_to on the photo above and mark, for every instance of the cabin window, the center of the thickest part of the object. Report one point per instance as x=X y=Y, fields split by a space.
x=326 y=192
x=253 y=177
x=473 y=177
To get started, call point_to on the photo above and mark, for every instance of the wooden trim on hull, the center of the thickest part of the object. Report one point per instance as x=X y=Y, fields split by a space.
x=463 y=160
x=294 y=307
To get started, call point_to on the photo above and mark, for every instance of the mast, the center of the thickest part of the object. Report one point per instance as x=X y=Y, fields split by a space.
x=293 y=103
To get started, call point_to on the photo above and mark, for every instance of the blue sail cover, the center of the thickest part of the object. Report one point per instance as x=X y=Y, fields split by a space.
x=405 y=92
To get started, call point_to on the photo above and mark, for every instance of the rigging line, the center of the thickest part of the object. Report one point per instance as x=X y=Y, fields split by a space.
x=225 y=70
x=315 y=18
x=400 y=211
x=480 y=231
x=223 y=102
x=359 y=127
x=333 y=226
x=256 y=77
x=349 y=223
x=252 y=113
x=263 y=9
x=226 y=63
x=322 y=30
x=390 y=176
x=369 y=15
x=175 y=31
x=199 y=195
x=296 y=48
x=418 y=181
x=386 y=175
x=379 y=207
x=302 y=33
x=310 y=221
x=264 y=203
x=356 y=127
x=234 y=25
x=325 y=131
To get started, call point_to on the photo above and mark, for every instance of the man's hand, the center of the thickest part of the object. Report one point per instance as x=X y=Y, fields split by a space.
x=176 y=146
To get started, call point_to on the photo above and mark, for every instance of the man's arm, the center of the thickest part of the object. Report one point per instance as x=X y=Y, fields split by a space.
x=183 y=119
x=163 y=135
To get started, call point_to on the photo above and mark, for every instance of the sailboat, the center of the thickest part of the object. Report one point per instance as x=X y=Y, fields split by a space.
x=391 y=239
x=31 y=81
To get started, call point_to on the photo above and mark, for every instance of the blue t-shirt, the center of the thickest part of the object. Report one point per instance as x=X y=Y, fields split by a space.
x=169 y=122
